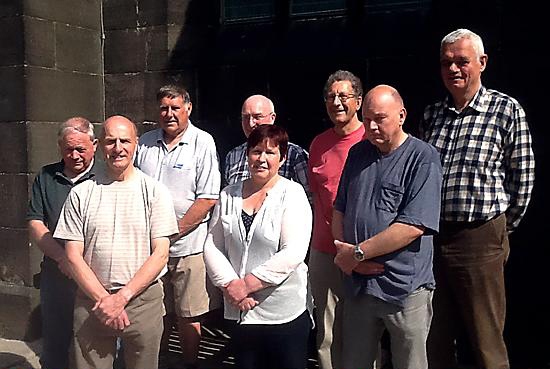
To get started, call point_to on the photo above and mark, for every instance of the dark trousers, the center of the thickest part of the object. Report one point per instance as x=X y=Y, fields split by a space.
x=469 y=272
x=276 y=346
x=57 y=293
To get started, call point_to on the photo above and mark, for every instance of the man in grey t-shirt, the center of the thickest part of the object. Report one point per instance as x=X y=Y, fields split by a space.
x=387 y=210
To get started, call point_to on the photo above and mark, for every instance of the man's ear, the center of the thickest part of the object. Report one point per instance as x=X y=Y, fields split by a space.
x=483 y=61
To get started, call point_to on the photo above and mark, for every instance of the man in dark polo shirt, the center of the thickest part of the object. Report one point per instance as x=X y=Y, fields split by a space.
x=77 y=145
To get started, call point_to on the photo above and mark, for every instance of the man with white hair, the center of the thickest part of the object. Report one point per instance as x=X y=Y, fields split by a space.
x=256 y=110
x=77 y=145
x=488 y=173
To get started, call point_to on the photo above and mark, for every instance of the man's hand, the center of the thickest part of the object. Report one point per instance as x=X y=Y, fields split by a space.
x=235 y=291
x=121 y=322
x=369 y=267
x=108 y=308
x=344 y=257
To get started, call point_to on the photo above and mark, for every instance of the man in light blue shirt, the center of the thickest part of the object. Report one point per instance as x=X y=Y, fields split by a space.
x=184 y=158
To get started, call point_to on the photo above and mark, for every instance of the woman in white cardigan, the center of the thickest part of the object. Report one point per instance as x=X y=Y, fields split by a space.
x=257 y=242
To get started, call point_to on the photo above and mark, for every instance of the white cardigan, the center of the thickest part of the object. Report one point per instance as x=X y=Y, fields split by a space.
x=274 y=251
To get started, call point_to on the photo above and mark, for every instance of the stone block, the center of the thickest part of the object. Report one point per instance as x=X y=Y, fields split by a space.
x=39 y=42
x=19 y=262
x=120 y=14
x=12 y=94
x=20 y=312
x=10 y=8
x=177 y=11
x=11 y=39
x=151 y=12
x=13 y=200
x=124 y=95
x=42 y=144
x=83 y=13
x=125 y=51
x=86 y=41
x=53 y=96
x=13 y=141
x=157 y=48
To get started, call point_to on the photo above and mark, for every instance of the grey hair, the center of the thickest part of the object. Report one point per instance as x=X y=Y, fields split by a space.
x=461 y=33
x=173 y=91
x=77 y=124
x=344 y=75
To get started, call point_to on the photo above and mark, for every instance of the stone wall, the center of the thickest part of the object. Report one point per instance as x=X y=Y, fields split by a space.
x=51 y=68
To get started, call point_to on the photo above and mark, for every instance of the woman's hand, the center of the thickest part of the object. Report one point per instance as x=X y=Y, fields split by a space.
x=247 y=303
x=236 y=291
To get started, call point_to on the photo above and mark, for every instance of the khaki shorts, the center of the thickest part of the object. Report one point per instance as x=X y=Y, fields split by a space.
x=188 y=291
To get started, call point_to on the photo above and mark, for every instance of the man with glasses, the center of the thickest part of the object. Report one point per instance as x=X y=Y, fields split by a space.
x=328 y=152
x=256 y=110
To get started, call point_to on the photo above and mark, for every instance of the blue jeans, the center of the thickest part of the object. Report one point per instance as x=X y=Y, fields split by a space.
x=365 y=318
x=57 y=293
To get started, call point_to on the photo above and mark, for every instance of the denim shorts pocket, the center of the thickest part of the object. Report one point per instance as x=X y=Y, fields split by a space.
x=390 y=197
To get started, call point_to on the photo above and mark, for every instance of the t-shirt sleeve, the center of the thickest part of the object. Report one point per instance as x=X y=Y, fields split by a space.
x=342 y=194
x=71 y=223
x=422 y=196
x=208 y=173
x=35 y=211
x=163 y=216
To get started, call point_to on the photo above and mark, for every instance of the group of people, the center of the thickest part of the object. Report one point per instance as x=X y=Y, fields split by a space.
x=373 y=231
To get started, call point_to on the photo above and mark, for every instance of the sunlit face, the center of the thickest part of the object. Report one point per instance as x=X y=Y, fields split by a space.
x=119 y=144
x=383 y=118
x=342 y=103
x=264 y=160
x=256 y=111
x=174 y=116
x=77 y=150
x=461 y=67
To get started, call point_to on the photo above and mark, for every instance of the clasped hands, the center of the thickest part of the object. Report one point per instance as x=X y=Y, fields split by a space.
x=110 y=311
x=347 y=263
x=236 y=292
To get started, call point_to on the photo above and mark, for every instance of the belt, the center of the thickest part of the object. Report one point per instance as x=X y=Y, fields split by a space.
x=114 y=290
x=466 y=224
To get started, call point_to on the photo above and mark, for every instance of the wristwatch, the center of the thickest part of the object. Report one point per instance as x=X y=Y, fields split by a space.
x=358 y=254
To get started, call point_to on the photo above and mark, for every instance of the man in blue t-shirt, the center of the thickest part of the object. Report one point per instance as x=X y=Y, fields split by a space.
x=387 y=210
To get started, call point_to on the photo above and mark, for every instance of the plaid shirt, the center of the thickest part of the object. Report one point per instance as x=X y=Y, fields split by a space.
x=294 y=167
x=488 y=163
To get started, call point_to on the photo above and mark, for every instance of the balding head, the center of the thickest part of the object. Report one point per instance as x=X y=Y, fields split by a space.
x=118 y=141
x=383 y=117
x=256 y=110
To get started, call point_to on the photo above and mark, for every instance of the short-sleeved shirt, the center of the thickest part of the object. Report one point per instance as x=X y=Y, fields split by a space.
x=294 y=167
x=190 y=170
x=49 y=192
x=327 y=156
x=117 y=221
x=378 y=190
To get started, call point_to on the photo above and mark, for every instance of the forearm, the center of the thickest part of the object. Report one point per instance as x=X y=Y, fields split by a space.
x=194 y=216
x=46 y=243
x=84 y=276
x=147 y=273
x=395 y=237
x=254 y=284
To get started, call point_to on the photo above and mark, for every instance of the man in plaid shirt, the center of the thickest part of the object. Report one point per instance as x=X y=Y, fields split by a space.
x=256 y=110
x=488 y=174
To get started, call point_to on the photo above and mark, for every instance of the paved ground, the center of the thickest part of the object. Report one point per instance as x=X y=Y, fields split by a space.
x=214 y=352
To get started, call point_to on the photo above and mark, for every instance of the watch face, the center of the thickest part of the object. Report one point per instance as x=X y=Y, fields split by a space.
x=359 y=255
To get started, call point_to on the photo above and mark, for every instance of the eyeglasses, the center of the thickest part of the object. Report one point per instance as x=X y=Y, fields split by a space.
x=255 y=117
x=342 y=97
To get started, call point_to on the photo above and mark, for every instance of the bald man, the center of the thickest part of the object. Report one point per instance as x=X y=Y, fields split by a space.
x=256 y=110
x=116 y=227
x=387 y=210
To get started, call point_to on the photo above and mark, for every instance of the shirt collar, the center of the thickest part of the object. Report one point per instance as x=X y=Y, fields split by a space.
x=185 y=139
x=478 y=103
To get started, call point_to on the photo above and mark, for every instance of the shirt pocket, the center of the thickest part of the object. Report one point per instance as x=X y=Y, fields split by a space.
x=390 y=197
